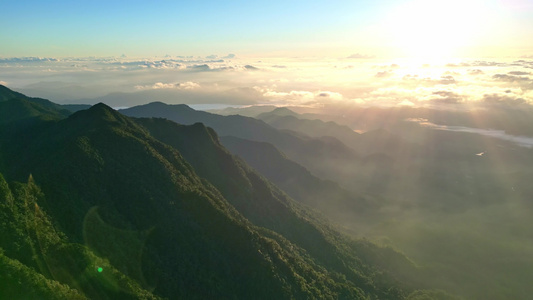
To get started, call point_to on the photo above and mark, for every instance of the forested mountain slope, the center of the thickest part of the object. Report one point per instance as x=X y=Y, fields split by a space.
x=116 y=207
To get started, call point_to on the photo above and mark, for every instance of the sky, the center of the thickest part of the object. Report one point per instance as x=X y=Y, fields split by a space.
x=451 y=54
x=392 y=28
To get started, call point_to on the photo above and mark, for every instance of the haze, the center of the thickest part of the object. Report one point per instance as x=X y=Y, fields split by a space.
x=410 y=122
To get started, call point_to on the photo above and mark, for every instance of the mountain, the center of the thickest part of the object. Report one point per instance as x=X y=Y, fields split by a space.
x=319 y=155
x=75 y=107
x=163 y=210
x=39 y=262
x=277 y=112
x=247 y=111
x=15 y=106
x=298 y=182
x=284 y=118
x=8 y=94
x=23 y=109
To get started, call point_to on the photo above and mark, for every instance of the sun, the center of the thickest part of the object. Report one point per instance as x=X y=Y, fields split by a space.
x=433 y=29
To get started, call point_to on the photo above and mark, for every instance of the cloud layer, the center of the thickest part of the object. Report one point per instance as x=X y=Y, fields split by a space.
x=228 y=79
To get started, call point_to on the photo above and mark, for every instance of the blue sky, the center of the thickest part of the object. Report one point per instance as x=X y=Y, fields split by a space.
x=148 y=28
x=187 y=27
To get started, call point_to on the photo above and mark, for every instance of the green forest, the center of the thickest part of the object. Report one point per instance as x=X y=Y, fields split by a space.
x=97 y=205
x=163 y=201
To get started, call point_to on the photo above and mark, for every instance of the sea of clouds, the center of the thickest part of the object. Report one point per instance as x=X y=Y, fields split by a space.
x=234 y=81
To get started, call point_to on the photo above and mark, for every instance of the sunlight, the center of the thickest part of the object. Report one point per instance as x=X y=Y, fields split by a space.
x=436 y=29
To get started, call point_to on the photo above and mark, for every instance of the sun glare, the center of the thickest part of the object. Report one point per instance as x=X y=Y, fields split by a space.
x=433 y=29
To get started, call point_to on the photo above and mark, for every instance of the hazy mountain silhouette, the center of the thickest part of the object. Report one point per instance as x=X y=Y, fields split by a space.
x=297 y=181
x=316 y=154
x=284 y=118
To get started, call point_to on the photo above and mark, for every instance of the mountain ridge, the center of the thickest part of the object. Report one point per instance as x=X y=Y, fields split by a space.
x=306 y=151
x=99 y=161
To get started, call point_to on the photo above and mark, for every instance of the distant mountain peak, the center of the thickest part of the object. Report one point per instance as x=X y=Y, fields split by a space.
x=162 y=104
x=283 y=111
x=99 y=114
x=159 y=107
x=101 y=108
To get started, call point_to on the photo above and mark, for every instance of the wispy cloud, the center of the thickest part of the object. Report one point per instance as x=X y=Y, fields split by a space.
x=27 y=59
x=447 y=97
x=503 y=99
x=498 y=134
x=383 y=74
x=510 y=78
x=519 y=73
x=475 y=72
x=189 y=85
x=360 y=56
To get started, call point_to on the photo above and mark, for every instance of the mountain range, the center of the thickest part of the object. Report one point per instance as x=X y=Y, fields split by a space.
x=96 y=204
x=448 y=187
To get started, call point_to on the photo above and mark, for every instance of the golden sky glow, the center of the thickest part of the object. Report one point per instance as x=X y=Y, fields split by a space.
x=437 y=29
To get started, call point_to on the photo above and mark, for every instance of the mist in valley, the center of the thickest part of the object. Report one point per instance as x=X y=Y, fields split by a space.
x=454 y=199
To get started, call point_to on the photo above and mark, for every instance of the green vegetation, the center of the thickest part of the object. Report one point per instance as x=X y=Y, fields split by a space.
x=38 y=262
x=115 y=208
x=98 y=205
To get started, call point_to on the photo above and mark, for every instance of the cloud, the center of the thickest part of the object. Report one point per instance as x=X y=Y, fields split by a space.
x=383 y=74
x=220 y=67
x=329 y=95
x=143 y=64
x=451 y=73
x=519 y=73
x=406 y=102
x=27 y=59
x=411 y=77
x=445 y=79
x=479 y=63
x=3 y=83
x=510 y=78
x=360 y=56
x=160 y=85
x=301 y=97
x=482 y=63
x=202 y=67
x=454 y=65
x=189 y=85
x=499 y=134
x=212 y=56
x=503 y=99
x=229 y=56
x=291 y=96
x=250 y=67
x=474 y=72
x=447 y=97
x=292 y=80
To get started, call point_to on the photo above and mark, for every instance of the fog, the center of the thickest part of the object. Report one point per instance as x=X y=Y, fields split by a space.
x=523 y=141
x=455 y=199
